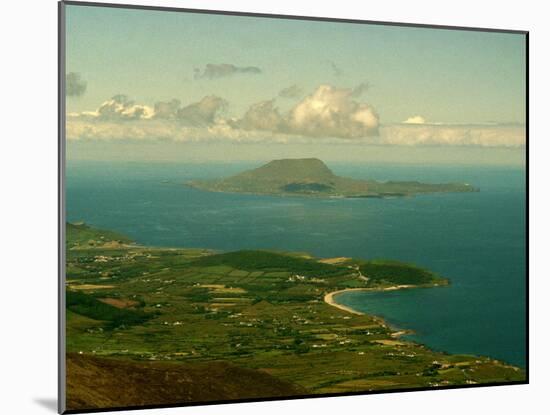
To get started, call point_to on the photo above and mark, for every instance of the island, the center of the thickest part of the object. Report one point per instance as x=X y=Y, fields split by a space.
x=161 y=326
x=311 y=177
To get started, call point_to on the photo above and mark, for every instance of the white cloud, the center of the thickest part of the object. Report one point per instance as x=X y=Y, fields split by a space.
x=81 y=128
x=417 y=119
x=331 y=112
x=328 y=112
x=120 y=107
x=327 y=115
x=453 y=135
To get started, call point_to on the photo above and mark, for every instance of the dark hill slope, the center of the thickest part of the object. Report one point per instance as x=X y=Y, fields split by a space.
x=95 y=382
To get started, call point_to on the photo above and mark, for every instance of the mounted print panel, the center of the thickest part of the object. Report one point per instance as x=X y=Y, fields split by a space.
x=261 y=207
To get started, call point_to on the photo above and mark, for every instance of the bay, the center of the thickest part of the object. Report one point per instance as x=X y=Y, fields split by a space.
x=477 y=240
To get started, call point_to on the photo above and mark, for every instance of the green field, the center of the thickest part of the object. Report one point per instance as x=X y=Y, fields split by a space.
x=256 y=310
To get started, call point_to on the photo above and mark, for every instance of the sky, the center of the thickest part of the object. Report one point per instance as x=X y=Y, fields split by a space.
x=169 y=82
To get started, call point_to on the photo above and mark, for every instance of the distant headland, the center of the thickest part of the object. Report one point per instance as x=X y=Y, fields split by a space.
x=312 y=177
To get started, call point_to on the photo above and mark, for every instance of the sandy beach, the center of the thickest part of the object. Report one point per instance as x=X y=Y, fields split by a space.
x=329 y=298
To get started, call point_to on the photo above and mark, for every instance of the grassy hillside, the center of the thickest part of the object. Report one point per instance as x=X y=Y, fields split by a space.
x=81 y=235
x=311 y=177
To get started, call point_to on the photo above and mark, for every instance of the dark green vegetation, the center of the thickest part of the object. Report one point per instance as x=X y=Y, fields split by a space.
x=193 y=323
x=272 y=262
x=393 y=272
x=113 y=317
x=311 y=177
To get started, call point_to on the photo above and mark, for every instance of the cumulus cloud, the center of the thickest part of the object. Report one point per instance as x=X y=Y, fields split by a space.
x=293 y=91
x=203 y=112
x=327 y=112
x=417 y=119
x=327 y=115
x=120 y=107
x=167 y=110
x=262 y=116
x=331 y=112
x=75 y=86
x=221 y=70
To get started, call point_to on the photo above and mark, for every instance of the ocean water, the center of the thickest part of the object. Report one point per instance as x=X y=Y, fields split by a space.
x=475 y=239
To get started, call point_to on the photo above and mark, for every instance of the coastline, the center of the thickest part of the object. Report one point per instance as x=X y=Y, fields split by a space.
x=329 y=297
x=396 y=332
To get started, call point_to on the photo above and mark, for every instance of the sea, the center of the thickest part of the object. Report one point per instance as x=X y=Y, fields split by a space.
x=477 y=240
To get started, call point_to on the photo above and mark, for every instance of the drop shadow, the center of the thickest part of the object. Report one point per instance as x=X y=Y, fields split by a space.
x=48 y=403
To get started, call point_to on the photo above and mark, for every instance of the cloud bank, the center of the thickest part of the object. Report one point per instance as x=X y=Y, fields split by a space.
x=222 y=70
x=482 y=135
x=326 y=115
x=121 y=108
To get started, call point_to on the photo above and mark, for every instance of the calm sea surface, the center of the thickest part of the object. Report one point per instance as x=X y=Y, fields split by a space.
x=477 y=240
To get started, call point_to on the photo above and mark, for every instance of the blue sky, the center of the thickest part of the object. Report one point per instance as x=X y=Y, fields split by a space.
x=442 y=78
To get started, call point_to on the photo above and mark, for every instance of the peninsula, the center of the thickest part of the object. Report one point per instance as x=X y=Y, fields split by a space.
x=311 y=177
x=150 y=326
